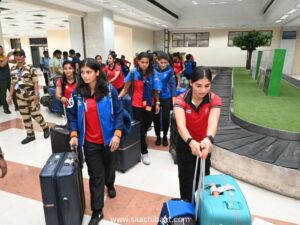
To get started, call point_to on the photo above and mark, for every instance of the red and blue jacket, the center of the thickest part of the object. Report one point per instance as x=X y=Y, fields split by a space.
x=111 y=124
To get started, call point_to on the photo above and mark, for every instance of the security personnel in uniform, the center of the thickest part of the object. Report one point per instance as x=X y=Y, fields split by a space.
x=24 y=81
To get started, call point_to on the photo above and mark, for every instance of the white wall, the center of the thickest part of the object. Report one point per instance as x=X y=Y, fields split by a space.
x=75 y=28
x=289 y=45
x=6 y=45
x=159 y=37
x=218 y=53
x=26 y=47
x=131 y=40
x=58 y=39
x=296 y=63
x=123 y=42
x=142 y=39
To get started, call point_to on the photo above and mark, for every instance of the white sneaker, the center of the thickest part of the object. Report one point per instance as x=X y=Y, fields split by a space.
x=146 y=159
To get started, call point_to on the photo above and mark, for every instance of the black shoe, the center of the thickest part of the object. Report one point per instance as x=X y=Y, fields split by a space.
x=46 y=132
x=111 y=192
x=158 y=141
x=96 y=217
x=7 y=111
x=165 y=141
x=27 y=140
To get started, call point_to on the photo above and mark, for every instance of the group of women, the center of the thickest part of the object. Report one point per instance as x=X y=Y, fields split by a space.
x=95 y=116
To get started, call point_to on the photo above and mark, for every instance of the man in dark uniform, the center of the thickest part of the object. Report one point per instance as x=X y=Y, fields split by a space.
x=24 y=81
x=5 y=80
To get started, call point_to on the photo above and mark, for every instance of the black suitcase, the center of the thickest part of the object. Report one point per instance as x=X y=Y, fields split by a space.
x=129 y=152
x=60 y=138
x=70 y=190
x=173 y=138
x=49 y=189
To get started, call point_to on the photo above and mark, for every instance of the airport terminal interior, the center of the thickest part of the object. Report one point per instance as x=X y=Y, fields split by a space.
x=259 y=149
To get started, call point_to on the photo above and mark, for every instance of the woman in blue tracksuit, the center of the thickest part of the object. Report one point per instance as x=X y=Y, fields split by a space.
x=168 y=92
x=94 y=127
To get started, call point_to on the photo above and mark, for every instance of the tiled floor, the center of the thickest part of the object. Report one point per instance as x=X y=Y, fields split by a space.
x=140 y=191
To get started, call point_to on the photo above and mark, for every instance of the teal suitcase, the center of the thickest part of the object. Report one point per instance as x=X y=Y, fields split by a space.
x=227 y=208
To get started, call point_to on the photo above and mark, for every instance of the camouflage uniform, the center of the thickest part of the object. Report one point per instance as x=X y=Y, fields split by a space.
x=24 y=79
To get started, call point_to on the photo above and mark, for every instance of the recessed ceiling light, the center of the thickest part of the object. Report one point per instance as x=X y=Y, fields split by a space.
x=195 y=3
x=292 y=11
x=39 y=15
x=132 y=13
x=147 y=19
x=284 y=17
x=8 y=18
x=114 y=6
x=277 y=21
x=164 y=25
x=298 y=6
x=217 y=3
x=122 y=9
x=157 y=23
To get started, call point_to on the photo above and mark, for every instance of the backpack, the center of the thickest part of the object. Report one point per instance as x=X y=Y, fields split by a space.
x=126 y=116
x=125 y=69
x=188 y=67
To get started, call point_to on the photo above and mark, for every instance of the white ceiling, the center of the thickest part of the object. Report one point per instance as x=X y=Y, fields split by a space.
x=22 y=19
x=193 y=14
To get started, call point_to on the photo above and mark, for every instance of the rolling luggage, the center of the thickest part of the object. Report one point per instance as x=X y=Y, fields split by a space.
x=49 y=190
x=60 y=136
x=221 y=201
x=129 y=152
x=70 y=190
x=127 y=104
x=62 y=190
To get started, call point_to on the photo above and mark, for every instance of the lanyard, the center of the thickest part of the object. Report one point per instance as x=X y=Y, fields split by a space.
x=19 y=73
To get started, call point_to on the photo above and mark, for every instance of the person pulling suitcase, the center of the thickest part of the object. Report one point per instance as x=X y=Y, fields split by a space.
x=97 y=131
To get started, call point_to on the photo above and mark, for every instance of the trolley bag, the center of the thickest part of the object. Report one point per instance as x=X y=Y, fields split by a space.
x=60 y=136
x=70 y=190
x=221 y=201
x=179 y=211
x=173 y=138
x=129 y=152
x=126 y=100
x=49 y=189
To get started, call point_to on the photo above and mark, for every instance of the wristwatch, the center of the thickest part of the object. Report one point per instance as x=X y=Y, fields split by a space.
x=1 y=154
x=211 y=138
x=188 y=141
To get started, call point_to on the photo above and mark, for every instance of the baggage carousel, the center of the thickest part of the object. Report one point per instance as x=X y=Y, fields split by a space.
x=261 y=156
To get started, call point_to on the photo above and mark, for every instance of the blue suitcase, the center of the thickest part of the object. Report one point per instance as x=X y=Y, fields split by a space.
x=126 y=100
x=62 y=190
x=229 y=207
x=49 y=190
x=70 y=190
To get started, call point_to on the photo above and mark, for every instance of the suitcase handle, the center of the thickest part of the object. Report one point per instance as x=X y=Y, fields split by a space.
x=201 y=184
x=74 y=152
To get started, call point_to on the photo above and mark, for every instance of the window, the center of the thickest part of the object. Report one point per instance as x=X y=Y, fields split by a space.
x=38 y=41
x=15 y=43
x=190 y=39
x=233 y=34
x=178 y=40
